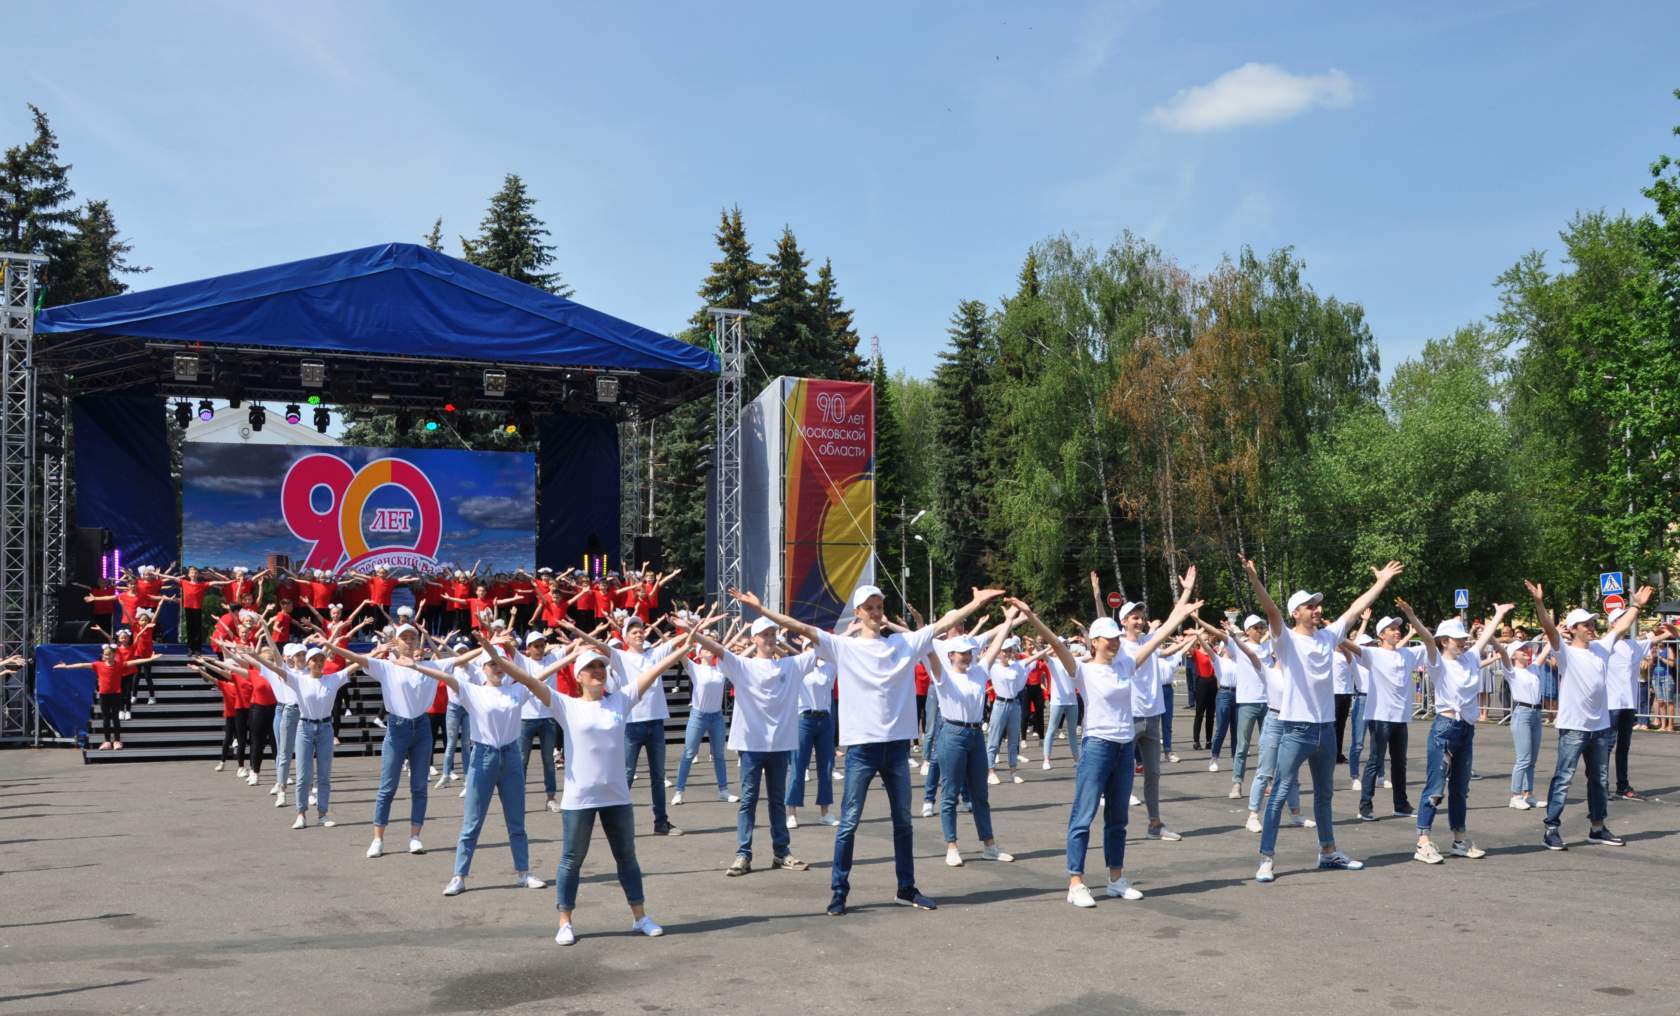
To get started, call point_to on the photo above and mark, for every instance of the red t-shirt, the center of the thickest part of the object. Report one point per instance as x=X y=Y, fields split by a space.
x=230 y=697
x=554 y=608
x=379 y=590
x=321 y=593
x=603 y=602
x=525 y=589
x=143 y=640
x=460 y=588
x=440 y=701
x=103 y=589
x=234 y=590
x=149 y=590
x=1039 y=674
x=475 y=605
x=242 y=682
x=431 y=592
x=131 y=602
x=227 y=629
x=281 y=624
x=192 y=594
x=565 y=681
x=110 y=676
x=1204 y=665
x=923 y=679
x=262 y=693
x=286 y=589
x=124 y=654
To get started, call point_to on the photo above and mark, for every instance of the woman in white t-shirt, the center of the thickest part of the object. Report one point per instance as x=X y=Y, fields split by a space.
x=1106 y=759
x=962 y=754
x=597 y=785
x=1516 y=661
x=1064 y=704
x=705 y=720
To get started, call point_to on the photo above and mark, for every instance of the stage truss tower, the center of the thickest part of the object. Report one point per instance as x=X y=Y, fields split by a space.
x=728 y=334
x=20 y=276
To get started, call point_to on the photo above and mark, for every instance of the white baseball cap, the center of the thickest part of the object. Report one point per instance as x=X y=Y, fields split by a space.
x=404 y=629
x=1451 y=628
x=1128 y=608
x=1578 y=616
x=1104 y=628
x=762 y=625
x=405 y=611
x=1615 y=615
x=1254 y=621
x=1385 y=621
x=1363 y=639
x=1303 y=598
x=861 y=595
x=1078 y=651
x=498 y=623
x=293 y=648
x=589 y=656
x=960 y=644
x=533 y=637
x=314 y=652
x=1012 y=642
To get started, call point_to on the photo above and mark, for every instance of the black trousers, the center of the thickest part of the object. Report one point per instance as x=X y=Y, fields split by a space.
x=1390 y=737
x=1032 y=709
x=195 y=628
x=1344 y=705
x=131 y=684
x=1622 y=722
x=233 y=729
x=921 y=712
x=110 y=713
x=260 y=721
x=1205 y=690
x=341 y=702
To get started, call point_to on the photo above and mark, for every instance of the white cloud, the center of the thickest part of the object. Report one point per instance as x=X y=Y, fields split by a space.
x=1252 y=93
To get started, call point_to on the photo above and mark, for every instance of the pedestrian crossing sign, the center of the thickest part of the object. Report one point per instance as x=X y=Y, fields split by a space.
x=1461 y=599
x=1610 y=583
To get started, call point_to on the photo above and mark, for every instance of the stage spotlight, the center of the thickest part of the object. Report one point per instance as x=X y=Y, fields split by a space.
x=313 y=400
x=510 y=427
x=235 y=402
x=404 y=422
x=294 y=415
x=495 y=382
x=186 y=366
x=322 y=418
x=257 y=416
x=183 y=414
x=206 y=410
x=606 y=389
x=431 y=425
x=312 y=373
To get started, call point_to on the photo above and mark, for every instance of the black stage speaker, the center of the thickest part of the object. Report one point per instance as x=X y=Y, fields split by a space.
x=649 y=549
x=87 y=546
x=73 y=632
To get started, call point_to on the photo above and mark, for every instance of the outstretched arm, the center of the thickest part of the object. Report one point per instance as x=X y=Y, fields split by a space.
x=645 y=680
x=1000 y=636
x=958 y=615
x=1544 y=616
x=1181 y=610
x=1499 y=612
x=1630 y=617
x=782 y=620
x=1274 y=616
x=1412 y=619
x=1096 y=594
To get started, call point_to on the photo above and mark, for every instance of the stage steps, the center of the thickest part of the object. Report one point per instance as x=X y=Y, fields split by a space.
x=186 y=721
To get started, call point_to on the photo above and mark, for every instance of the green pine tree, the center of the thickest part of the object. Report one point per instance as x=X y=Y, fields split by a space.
x=434 y=238
x=512 y=240
x=960 y=435
x=36 y=216
x=91 y=258
x=837 y=346
x=787 y=335
x=891 y=483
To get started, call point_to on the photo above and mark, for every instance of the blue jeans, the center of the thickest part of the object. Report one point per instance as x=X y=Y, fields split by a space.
x=1105 y=771
x=1451 y=752
x=649 y=733
x=578 y=828
x=963 y=761
x=1572 y=744
x=1066 y=719
x=410 y=741
x=709 y=726
x=816 y=737
x=1266 y=774
x=285 y=742
x=1224 y=715
x=545 y=734
x=1525 y=733
x=1356 y=736
x=314 y=758
x=891 y=760
x=1251 y=718
x=769 y=769
x=454 y=739
x=499 y=770
x=1006 y=720
x=1315 y=745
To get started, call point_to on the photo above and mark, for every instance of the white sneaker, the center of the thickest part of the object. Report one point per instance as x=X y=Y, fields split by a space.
x=274 y=790
x=1172 y=756
x=992 y=853
x=251 y=778
x=838 y=776
x=380 y=724
x=1236 y=792
x=312 y=797
x=280 y=799
x=376 y=848
x=792 y=821
x=553 y=805
x=151 y=700
x=811 y=776
x=1297 y=821
x=1427 y=853
x=415 y=846
x=1016 y=778
x=677 y=798
x=1520 y=803
x=1467 y=848
x=241 y=772
x=1080 y=896
x=669 y=784
x=219 y=767
x=953 y=857
x=526 y=880
x=927 y=809
x=831 y=819
x=1162 y=833
x=1121 y=888
x=967 y=806
x=300 y=823
x=1253 y=825
x=327 y=823
x=453 y=777
x=435 y=771
x=1264 y=874
x=646 y=926
x=728 y=798
x=565 y=935
x=463 y=792
x=924 y=768
x=1213 y=766
x=992 y=779
x=1134 y=802
x=1046 y=764
x=455 y=886
x=440 y=782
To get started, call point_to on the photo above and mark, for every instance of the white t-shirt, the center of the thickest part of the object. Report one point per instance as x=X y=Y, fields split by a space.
x=1008 y=679
x=1225 y=671
x=1582 y=676
x=493 y=711
x=1108 y=689
x=816 y=688
x=595 y=776
x=283 y=693
x=962 y=693
x=1525 y=685
x=533 y=709
x=1457 y=683
x=1251 y=684
x=407 y=692
x=707 y=682
x=1341 y=675
x=1361 y=676
x=315 y=697
x=1308 y=687
x=877 y=683
x=465 y=673
x=1621 y=687
x=766 y=700
x=1146 y=681
x=626 y=667
x=1390 y=687
x=1061 y=683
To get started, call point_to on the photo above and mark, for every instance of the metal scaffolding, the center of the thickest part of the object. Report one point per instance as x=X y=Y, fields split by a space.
x=629 y=487
x=727 y=334
x=21 y=273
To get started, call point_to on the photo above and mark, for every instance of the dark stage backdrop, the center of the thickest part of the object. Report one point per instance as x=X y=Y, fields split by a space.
x=577 y=468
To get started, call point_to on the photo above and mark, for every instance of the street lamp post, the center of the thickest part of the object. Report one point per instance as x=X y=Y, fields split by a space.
x=925 y=546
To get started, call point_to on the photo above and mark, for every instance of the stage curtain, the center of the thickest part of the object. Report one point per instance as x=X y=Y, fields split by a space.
x=577 y=468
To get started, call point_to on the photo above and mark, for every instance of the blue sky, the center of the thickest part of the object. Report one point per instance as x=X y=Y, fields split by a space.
x=1409 y=152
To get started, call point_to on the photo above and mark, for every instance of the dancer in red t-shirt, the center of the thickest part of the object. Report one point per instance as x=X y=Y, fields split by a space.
x=108 y=670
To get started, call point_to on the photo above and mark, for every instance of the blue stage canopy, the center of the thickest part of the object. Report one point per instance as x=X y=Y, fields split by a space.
x=394 y=299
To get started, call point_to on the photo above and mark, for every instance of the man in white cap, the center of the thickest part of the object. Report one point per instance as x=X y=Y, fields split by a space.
x=877 y=722
x=1307 y=708
x=1583 y=718
x=537 y=726
x=1622 y=696
x=1148 y=705
x=285 y=722
x=763 y=732
x=1251 y=693
x=1388 y=705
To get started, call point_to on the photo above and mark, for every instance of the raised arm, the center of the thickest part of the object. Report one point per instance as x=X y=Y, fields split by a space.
x=645 y=680
x=1096 y=594
x=1630 y=617
x=1544 y=616
x=782 y=620
x=1412 y=619
x=1384 y=575
x=1499 y=612
x=600 y=646
x=1274 y=616
x=958 y=615
x=1181 y=610
x=999 y=637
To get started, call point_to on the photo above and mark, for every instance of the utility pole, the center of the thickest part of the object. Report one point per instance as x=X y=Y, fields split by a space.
x=903 y=560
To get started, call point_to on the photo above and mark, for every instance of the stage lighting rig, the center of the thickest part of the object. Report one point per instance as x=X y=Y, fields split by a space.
x=294 y=415
x=186 y=366
x=312 y=374
x=256 y=416
x=206 y=410
x=322 y=419
x=495 y=382
x=606 y=389
x=183 y=414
